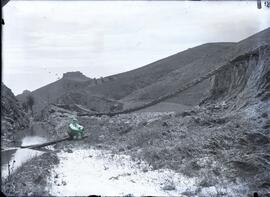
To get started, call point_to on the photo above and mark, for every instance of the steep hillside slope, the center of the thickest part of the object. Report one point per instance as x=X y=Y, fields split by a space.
x=13 y=117
x=112 y=88
x=158 y=72
x=201 y=67
x=253 y=69
x=164 y=80
x=184 y=74
x=246 y=78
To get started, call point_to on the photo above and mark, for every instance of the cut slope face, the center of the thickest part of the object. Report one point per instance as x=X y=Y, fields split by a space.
x=245 y=79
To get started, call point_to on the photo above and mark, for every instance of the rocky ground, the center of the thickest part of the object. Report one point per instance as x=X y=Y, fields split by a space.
x=220 y=148
x=30 y=178
x=13 y=117
x=217 y=146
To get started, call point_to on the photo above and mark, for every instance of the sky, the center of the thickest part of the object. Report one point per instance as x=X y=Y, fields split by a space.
x=44 y=39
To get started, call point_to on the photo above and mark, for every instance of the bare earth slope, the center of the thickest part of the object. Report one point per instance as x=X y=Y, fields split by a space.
x=245 y=79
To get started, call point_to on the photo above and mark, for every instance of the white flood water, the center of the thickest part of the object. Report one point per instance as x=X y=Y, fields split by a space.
x=20 y=156
x=99 y=172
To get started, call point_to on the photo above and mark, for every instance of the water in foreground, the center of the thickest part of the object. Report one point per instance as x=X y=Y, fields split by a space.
x=15 y=157
x=85 y=172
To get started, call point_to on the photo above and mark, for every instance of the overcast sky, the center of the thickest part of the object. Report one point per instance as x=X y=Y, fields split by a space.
x=44 y=39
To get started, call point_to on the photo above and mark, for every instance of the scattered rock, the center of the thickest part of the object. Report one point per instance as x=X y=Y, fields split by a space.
x=99 y=145
x=219 y=120
x=101 y=137
x=264 y=115
x=125 y=130
x=245 y=167
x=165 y=124
x=169 y=187
x=144 y=123
x=189 y=193
x=128 y=195
x=114 y=178
x=266 y=124
x=38 y=179
x=265 y=184
x=121 y=149
x=186 y=113
x=207 y=182
x=257 y=138
x=145 y=169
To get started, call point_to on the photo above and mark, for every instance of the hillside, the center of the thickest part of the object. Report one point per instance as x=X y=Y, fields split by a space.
x=70 y=89
x=147 y=83
x=127 y=83
x=199 y=68
x=13 y=117
x=232 y=75
x=113 y=88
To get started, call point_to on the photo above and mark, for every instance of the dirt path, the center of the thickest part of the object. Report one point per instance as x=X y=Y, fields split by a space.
x=92 y=171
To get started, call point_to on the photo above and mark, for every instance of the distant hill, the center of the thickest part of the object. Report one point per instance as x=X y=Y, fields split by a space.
x=148 y=82
x=70 y=89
